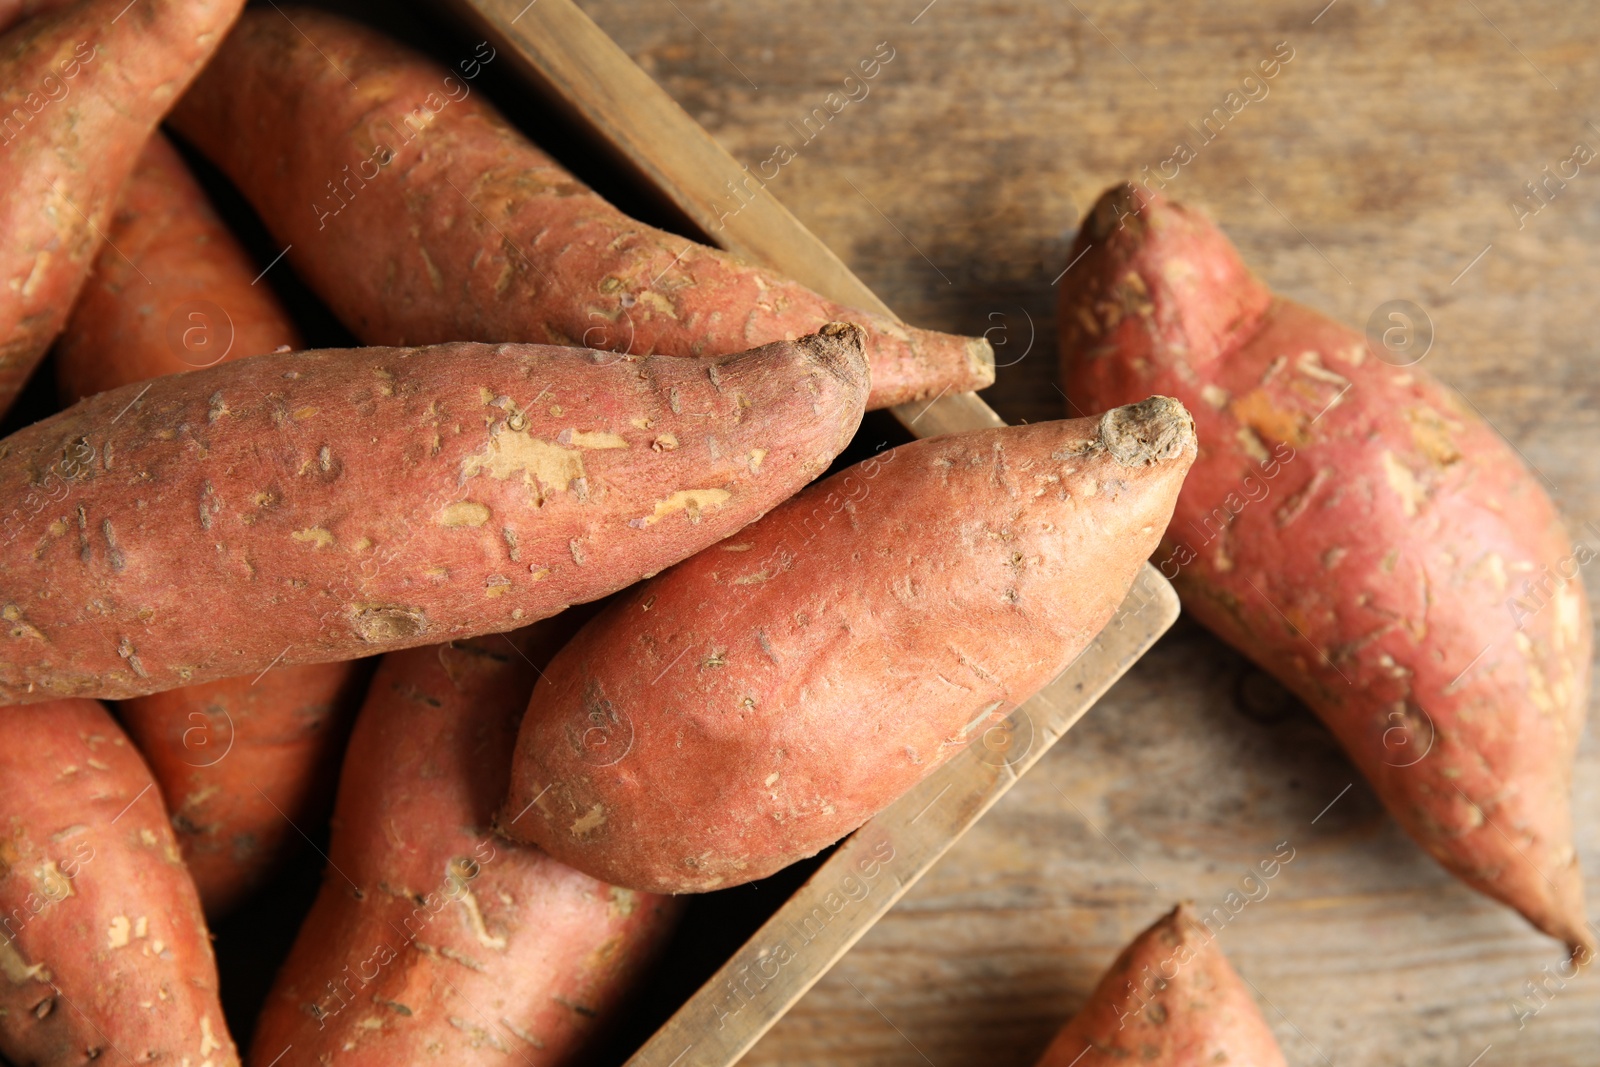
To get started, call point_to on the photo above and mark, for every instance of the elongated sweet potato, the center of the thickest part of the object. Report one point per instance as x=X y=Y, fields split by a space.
x=240 y=761
x=337 y=503
x=1170 y=1000
x=433 y=939
x=1408 y=578
x=419 y=215
x=171 y=292
x=81 y=88
x=761 y=700
x=105 y=955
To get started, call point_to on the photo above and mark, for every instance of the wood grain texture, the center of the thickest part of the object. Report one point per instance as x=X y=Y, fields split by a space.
x=1381 y=162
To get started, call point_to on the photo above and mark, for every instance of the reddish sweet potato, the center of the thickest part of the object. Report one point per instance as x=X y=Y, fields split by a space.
x=1170 y=1000
x=462 y=230
x=761 y=700
x=1409 y=578
x=433 y=940
x=105 y=952
x=171 y=291
x=337 y=503
x=81 y=88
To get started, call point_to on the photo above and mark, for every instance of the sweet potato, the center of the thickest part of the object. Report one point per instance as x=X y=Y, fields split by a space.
x=1409 y=579
x=420 y=215
x=81 y=88
x=105 y=952
x=244 y=761
x=171 y=292
x=766 y=697
x=433 y=939
x=1170 y=1000
x=240 y=761
x=337 y=503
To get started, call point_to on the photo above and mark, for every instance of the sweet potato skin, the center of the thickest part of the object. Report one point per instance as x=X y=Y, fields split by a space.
x=338 y=503
x=15 y=11
x=81 y=88
x=764 y=698
x=171 y=292
x=242 y=762
x=433 y=939
x=1171 y=998
x=1382 y=581
x=105 y=951
x=420 y=215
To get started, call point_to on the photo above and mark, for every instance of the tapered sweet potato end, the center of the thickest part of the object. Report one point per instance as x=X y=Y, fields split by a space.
x=1550 y=896
x=1171 y=998
x=1565 y=916
x=1156 y=282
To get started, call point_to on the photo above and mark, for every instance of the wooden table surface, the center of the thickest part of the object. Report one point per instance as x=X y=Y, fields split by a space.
x=1381 y=164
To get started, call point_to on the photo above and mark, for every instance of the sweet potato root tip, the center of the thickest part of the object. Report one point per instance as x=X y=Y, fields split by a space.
x=1436 y=622
x=840 y=347
x=1148 y=432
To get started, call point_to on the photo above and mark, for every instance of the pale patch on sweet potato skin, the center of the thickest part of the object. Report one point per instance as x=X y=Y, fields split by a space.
x=745 y=709
x=65 y=161
x=105 y=952
x=1171 y=998
x=466 y=231
x=439 y=913
x=368 y=446
x=1391 y=554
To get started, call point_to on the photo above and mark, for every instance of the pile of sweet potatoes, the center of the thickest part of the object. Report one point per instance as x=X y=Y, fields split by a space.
x=537 y=609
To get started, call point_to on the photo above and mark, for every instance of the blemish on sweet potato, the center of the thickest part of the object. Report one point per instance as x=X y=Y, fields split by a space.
x=470 y=513
x=689 y=501
x=383 y=623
